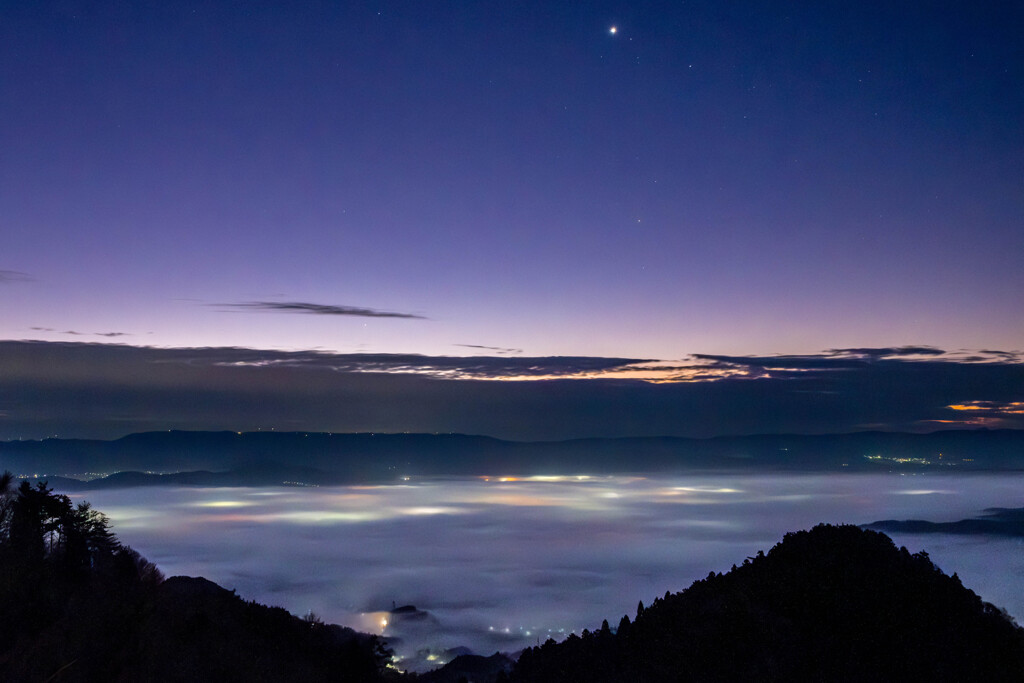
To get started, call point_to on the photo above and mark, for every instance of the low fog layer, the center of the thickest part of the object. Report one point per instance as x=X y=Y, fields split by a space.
x=500 y=564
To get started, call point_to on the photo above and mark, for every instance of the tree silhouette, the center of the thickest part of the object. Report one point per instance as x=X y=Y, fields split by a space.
x=829 y=604
x=76 y=604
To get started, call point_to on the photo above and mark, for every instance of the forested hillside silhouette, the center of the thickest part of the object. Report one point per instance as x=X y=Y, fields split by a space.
x=836 y=603
x=77 y=605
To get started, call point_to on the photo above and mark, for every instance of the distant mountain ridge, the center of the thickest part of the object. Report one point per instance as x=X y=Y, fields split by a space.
x=263 y=458
x=1007 y=522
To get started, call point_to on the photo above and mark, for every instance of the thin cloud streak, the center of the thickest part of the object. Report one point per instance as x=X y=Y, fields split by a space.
x=76 y=333
x=496 y=349
x=446 y=367
x=315 y=309
x=845 y=359
x=12 y=276
x=888 y=351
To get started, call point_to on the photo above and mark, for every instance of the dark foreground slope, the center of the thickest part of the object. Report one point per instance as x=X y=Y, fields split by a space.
x=75 y=605
x=830 y=604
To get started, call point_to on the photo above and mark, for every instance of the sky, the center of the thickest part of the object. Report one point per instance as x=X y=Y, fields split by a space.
x=602 y=189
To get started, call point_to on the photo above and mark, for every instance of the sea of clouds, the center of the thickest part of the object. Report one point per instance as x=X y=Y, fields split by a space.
x=499 y=564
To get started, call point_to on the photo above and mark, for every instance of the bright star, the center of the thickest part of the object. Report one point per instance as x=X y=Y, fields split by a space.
x=613 y=30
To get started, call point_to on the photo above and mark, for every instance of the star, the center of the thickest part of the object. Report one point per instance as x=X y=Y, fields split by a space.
x=613 y=30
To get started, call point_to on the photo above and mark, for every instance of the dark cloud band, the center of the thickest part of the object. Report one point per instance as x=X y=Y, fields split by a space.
x=107 y=390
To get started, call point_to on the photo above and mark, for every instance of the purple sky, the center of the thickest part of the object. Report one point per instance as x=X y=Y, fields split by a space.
x=513 y=179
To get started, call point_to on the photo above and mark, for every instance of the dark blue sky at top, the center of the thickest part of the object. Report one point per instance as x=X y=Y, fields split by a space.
x=455 y=178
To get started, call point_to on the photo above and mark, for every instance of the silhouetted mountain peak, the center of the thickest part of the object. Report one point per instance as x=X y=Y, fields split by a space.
x=832 y=604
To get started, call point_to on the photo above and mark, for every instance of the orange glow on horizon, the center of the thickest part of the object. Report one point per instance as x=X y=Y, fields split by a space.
x=1007 y=408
